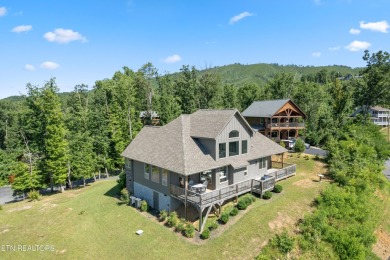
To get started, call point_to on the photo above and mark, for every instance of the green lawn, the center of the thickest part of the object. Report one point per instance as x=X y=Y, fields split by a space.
x=107 y=230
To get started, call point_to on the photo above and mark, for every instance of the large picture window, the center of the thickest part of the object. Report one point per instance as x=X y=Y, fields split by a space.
x=234 y=134
x=244 y=146
x=222 y=174
x=147 y=171
x=222 y=150
x=233 y=148
x=164 y=177
x=155 y=174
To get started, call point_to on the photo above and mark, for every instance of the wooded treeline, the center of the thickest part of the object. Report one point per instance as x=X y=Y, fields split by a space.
x=47 y=140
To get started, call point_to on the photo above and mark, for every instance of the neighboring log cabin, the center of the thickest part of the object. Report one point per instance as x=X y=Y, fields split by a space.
x=276 y=119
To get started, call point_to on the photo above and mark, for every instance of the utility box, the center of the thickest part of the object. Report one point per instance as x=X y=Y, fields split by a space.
x=138 y=203
x=132 y=200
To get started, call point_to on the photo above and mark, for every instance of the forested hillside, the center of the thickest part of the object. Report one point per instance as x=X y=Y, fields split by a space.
x=239 y=74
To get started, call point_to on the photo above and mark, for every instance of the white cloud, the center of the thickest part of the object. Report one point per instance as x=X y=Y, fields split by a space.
x=354 y=31
x=22 y=28
x=358 y=46
x=49 y=65
x=336 y=48
x=377 y=27
x=3 y=11
x=237 y=18
x=316 y=54
x=64 y=36
x=29 y=67
x=172 y=59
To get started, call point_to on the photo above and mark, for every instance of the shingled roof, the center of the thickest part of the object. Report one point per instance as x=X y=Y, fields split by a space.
x=174 y=146
x=265 y=108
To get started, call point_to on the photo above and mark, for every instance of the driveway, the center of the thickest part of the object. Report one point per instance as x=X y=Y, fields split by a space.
x=316 y=151
x=6 y=195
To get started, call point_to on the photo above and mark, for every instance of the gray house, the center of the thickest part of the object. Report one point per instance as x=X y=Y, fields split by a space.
x=201 y=160
x=378 y=115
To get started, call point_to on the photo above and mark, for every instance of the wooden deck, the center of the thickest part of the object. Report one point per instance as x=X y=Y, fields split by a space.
x=209 y=198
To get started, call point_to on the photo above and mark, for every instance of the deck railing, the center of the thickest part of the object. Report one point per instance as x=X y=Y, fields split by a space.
x=231 y=191
x=286 y=125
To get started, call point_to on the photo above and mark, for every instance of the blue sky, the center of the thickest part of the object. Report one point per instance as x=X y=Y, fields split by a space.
x=81 y=41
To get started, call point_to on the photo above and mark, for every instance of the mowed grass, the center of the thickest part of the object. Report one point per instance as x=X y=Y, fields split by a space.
x=89 y=224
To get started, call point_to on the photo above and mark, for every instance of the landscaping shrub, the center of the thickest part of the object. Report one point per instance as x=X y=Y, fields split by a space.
x=267 y=195
x=144 y=206
x=34 y=195
x=125 y=195
x=189 y=230
x=224 y=217
x=278 y=188
x=213 y=224
x=205 y=234
x=180 y=227
x=172 y=219
x=242 y=205
x=234 y=212
x=163 y=215
x=122 y=180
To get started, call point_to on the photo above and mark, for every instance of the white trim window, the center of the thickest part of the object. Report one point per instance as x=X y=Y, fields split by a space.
x=147 y=171
x=164 y=177
x=262 y=163
x=155 y=174
x=223 y=172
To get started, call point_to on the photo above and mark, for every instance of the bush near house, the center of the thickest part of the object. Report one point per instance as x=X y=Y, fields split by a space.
x=163 y=215
x=278 y=188
x=205 y=234
x=234 y=212
x=172 y=219
x=181 y=225
x=125 y=195
x=144 y=206
x=189 y=230
x=242 y=204
x=213 y=225
x=267 y=195
x=224 y=217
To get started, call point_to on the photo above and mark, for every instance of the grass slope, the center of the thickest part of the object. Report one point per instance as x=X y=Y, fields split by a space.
x=89 y=224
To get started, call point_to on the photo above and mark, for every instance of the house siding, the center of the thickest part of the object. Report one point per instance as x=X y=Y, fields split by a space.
x=238 y=124
x=139 y=178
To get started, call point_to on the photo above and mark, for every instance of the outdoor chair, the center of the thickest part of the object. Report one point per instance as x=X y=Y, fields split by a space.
x=204 y=186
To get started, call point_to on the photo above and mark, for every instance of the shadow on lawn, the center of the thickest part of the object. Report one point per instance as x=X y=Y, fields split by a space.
x=113 y=192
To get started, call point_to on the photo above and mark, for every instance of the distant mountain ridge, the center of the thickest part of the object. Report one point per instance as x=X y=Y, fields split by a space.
x=238 y=74
x=260 y=73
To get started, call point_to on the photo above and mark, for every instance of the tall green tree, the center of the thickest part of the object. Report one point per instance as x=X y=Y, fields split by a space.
x=229 y=96
x=169 y=107
x=185 y=89
x=374 y=88
x=50 y=133
x=281 y=86
x=209 y=90
x=247 y=94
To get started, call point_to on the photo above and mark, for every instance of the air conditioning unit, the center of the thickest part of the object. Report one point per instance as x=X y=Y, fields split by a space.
x=138 y=203
x=132 y=200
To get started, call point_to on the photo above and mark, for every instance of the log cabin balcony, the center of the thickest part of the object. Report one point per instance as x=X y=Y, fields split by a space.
x=210 y=197
x=287 y=125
